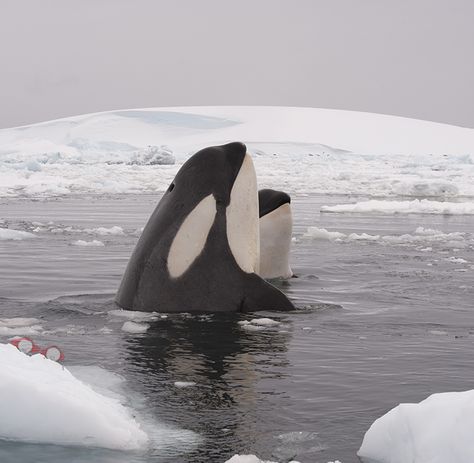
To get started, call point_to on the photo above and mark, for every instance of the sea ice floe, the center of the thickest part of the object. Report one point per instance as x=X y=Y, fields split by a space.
x=15 y=235
x=19 y=326
x=103 y=231
x=42 y=402
x=92 y=243
x=436 y=430
x=419 y=237
x=417 y=206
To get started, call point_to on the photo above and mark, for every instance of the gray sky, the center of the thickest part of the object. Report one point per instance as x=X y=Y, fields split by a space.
x=412 y=58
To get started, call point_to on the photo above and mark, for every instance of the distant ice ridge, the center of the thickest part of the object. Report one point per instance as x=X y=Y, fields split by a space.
x=42 y=402
x=423 y=206
x=294 y=149
x=420 y=236
x=437 y=430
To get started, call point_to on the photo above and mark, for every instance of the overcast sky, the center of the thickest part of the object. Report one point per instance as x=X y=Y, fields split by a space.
x=412 y=58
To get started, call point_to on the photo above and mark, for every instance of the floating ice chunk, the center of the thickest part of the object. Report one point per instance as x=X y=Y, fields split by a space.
x=258 y=324
x=457 y=260
x=250 y=459
x=437 y=430
x=96 y=243
x=421 y=235
x=416 y=206
x=133 y=314
x=133 y=327
x=323 y=234
x=115 y=230
x=16 y=235
x=41 y=401
x=183 y=384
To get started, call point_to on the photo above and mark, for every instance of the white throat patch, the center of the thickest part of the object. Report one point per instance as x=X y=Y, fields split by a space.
x=191 y=237
x=242 y=218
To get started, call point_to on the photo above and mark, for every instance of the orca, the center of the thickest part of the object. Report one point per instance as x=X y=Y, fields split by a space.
x=276 y=226
x=199 y=251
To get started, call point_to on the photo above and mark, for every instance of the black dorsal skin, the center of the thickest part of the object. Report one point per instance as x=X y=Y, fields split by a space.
x=269 y=200
x=214 y=282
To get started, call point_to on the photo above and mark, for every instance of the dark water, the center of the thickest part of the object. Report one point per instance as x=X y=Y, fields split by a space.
x=380 y=324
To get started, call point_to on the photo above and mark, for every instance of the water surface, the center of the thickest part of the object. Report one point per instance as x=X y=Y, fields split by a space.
x=379 y=324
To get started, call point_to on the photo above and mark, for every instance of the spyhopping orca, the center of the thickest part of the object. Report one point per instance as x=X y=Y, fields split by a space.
x=199 y=251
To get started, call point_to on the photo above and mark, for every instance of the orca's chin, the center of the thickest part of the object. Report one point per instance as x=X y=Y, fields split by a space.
x=243 y=232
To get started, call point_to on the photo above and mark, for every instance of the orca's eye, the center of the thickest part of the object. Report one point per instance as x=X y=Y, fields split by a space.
x=171 y=187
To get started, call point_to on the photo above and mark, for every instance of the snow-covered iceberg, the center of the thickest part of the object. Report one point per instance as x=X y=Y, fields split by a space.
x=437 y=430
x=42 y=402
x=307 y=150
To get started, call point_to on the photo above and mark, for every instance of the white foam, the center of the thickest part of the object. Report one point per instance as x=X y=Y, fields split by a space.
x=133 y=327
x=417 y=206
x=41 y=401
x=437 y=430
x=15 y=235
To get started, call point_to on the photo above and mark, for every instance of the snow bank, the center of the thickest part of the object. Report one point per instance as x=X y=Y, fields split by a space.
x=423 y=206
x=16 y=235
x=437 y=430
x=41 y=401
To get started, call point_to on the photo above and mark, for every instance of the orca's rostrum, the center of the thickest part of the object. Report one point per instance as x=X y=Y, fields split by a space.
x=199 y=251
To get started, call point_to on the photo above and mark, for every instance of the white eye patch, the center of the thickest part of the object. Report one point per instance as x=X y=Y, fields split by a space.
x=191 y=237
x=242 y=218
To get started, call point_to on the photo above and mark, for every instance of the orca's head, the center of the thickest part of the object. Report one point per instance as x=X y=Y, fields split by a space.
x=216 y=181
x=211 y=170
x=270 y=200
